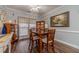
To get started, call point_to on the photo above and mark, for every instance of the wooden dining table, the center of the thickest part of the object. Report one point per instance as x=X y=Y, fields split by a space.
x=40 y=37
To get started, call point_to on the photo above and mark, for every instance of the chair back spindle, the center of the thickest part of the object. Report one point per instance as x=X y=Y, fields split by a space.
x=40 y=26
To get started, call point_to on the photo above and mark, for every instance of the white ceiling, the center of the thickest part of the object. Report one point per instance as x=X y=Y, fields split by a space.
x=27 y=8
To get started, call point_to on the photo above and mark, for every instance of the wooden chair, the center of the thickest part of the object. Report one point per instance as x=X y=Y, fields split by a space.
x=12 y=28
x=33 y=40
x=49 y=41
x=40 y=25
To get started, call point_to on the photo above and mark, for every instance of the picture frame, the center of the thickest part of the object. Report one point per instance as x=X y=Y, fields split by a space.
x=60 y=20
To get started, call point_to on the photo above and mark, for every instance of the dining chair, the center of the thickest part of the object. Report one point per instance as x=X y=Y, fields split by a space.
x=33 y=41
x=12 y=28
x=7 y=43
x=49 y=41
x=40 y=25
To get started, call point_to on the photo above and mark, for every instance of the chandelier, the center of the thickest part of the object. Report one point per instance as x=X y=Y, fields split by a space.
x=35 y=8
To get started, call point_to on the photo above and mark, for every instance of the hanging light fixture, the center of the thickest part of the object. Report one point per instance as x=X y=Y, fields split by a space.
x=35 y=8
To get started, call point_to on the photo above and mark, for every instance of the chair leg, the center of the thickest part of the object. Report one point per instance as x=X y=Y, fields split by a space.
x=53 y=48
x=36 y=43
x=43 y=46
x=32 y=47
x=29 y=45
x=48 y=48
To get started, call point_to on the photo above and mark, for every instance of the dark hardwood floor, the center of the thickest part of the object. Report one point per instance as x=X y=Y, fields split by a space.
x=22 y=47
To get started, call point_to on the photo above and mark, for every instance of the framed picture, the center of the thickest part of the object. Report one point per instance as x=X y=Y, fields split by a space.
x=60 y=20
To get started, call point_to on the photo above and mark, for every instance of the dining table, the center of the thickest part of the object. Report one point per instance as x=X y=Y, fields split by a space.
x=41 y=35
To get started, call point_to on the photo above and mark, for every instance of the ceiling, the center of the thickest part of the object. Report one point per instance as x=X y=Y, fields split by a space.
x=27 y=8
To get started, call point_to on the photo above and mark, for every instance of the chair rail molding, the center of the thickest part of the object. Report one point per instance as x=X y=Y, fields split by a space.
x=69 y=31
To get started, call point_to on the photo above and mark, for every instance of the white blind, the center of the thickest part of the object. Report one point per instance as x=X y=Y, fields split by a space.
x=23 y=26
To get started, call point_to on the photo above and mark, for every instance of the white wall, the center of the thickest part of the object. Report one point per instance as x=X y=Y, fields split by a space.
x=19 y=13
x=70 y=34
x=12 y=14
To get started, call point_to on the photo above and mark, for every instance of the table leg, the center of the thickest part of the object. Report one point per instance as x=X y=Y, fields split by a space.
x=40 y=43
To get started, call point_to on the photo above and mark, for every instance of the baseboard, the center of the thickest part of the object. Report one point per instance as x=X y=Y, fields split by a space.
x=74 y=46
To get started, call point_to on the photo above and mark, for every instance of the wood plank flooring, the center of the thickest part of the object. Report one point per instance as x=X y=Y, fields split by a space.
x=22 y=47
x=63 y=48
